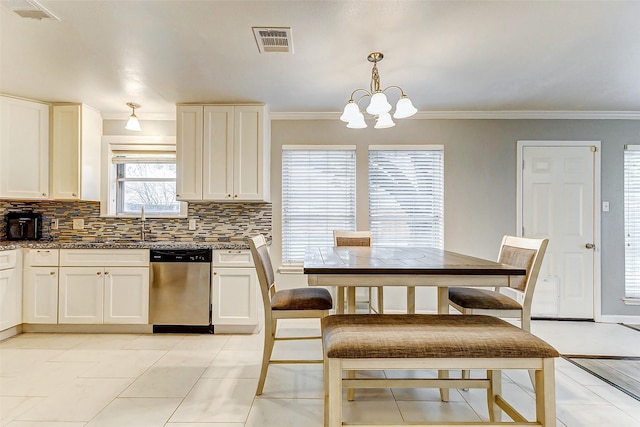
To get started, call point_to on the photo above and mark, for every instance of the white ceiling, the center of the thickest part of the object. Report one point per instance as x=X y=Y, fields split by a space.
x=447 y=55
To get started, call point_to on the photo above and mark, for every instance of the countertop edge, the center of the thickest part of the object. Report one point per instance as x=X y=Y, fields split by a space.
x=23 y=244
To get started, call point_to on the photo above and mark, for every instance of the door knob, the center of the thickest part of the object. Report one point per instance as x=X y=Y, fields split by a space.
x=590 y=246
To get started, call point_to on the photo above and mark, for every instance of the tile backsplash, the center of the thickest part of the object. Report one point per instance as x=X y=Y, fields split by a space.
x=214 y=222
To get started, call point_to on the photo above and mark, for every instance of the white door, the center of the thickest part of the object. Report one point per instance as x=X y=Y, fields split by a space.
x=558 y=203
x=81 y=295
x=126 y=295
x=234 y=296
x=41 y=295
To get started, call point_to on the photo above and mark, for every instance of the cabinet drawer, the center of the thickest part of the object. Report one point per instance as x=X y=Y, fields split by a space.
x=7 y=259
x=104 y=257
x=42 y=257
x=232 y=258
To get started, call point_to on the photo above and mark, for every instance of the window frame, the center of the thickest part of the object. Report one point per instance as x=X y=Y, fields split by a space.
x=437 y=186
x=631 y=286
x=286 y=262
x=115 y=144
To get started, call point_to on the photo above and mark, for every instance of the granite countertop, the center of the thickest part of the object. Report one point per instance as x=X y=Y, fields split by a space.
x=6 y=245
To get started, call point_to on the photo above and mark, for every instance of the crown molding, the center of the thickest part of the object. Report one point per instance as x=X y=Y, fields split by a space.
x=487 y=115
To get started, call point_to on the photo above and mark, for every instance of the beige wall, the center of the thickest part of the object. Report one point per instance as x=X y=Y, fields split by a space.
x=480 y=179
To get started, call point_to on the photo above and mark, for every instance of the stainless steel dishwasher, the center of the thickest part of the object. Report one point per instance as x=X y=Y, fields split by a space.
x=180 y=290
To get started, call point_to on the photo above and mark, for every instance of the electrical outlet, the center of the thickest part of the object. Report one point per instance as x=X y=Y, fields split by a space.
x=54 y=224
x=192 y=224
x=78 y=224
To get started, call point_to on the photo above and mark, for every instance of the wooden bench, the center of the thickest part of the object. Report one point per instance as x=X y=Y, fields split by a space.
x=424 y=341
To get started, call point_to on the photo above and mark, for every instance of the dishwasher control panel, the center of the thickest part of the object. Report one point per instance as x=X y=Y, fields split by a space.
x=180 y=255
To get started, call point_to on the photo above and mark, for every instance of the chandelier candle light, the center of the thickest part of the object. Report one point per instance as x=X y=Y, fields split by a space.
x=378 y=105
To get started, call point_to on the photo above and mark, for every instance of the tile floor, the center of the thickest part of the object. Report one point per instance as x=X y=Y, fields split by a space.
x=73 y=380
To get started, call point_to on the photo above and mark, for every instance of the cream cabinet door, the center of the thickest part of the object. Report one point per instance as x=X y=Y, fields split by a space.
x=218 y=152
x=234 y=296
x=126 y=295
x=81 y=295
x=189 y=152
x=250 y=156
x=24 y=149
x=75 y=152
x=41 y=295
x=10 y=300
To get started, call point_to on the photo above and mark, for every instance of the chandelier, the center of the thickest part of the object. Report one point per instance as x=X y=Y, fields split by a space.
x=378 y=107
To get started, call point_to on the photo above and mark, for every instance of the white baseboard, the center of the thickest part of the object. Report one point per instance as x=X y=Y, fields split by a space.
x=631 y=320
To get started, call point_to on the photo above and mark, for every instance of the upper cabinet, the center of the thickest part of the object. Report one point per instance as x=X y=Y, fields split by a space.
x=223 y=152
x=24 y=149
x=75 y=152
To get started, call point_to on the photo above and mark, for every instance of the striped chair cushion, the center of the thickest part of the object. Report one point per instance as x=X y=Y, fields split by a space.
x=302 y=299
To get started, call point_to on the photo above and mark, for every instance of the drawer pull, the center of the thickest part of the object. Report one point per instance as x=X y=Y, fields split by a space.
x=42 y=251
x=235 y=252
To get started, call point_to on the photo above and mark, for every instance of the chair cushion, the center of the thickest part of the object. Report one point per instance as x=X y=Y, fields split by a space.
x=302 y=299
x=482 y=299
x=356 y=336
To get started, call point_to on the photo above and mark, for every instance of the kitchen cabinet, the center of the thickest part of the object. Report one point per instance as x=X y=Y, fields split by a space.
x=234 y=291
x=24 y=149
x=10 y=289
x=75 y=152
x=104 y=286
x=223 y=152
x=41 y=286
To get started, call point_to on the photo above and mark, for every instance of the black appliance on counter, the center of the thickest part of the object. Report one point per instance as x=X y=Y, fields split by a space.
x=24 y=226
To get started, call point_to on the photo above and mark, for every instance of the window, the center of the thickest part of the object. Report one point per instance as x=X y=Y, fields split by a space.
x=318 y=196
x=406 y=195
x=142 y=175
x=632 y=221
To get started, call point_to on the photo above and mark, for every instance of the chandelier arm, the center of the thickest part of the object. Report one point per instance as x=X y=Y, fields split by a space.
x=397 y=87
x=362 y=97
x=359 y=90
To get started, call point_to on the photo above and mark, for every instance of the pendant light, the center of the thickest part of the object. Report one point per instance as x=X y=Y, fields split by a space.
x=133 y=123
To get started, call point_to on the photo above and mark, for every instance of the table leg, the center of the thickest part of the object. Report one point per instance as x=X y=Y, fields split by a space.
x=411 y=300
x=339 y=299
x=443 y=308
x=351 y=299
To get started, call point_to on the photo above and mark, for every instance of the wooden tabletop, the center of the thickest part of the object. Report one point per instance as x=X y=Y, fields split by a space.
x=387 y=260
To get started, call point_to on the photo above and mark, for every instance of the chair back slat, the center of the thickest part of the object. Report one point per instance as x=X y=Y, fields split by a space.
x=351 y=238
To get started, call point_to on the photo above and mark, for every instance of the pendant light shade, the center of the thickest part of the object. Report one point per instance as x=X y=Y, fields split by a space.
x=133 y=123
x=384 y=121
x=404 y=108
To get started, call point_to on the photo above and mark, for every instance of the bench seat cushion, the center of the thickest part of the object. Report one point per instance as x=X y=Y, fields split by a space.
x=482 y=299
x=361 y=336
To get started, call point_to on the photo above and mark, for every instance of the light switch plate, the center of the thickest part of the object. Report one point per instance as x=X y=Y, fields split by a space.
x=78 y=224
x=54 y=224
x=192 y=224
x=605 y=206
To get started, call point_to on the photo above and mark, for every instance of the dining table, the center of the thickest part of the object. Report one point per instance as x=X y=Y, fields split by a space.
x=375 y=266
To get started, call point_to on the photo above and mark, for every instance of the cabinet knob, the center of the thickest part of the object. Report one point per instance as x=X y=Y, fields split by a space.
x=98 y=273
x=228 y=195
x=74 y=194
x=215 y=274
x=235 y=196
x=52 y=273
x=106 y=273
x=44 y=194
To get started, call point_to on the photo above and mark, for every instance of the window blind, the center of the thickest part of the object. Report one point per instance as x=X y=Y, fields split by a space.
x=632 y=221
x=406 y=196
x=318 y=196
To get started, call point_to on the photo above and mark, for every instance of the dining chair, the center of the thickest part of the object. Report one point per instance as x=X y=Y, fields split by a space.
x=357 y=238
x=516 y=251
x=297 y=303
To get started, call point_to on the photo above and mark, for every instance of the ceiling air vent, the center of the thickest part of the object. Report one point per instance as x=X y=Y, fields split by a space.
x=273 y=39
x=29 y=9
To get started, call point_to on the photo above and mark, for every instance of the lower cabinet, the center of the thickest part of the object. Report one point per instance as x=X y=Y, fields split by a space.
x=104 y=295
x=234 y=289
x=41 y=295
x=10 y=289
